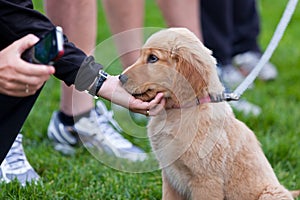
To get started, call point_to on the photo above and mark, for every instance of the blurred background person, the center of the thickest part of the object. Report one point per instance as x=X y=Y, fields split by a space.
x=230 y=29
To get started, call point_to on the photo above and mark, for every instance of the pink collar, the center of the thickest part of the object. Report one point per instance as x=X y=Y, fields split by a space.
x=197 y=101
x=210 y=99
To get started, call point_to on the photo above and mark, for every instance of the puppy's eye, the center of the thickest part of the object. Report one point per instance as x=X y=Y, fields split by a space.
x=152 y=58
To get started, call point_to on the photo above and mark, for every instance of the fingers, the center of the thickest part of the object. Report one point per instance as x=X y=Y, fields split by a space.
x=31 y=74
x=18 y=77
x=26 y=42
x=18 y=89
x=28 y=68
x=18 y=84
x=156 y=105
x=151 y=108
x=35 y=69
x=156 y=100
x=158 y=108
x=18 y=93
x=113 y=91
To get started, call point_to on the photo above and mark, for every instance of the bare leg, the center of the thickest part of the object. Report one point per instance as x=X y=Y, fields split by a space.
x=79 y=21
x=178 y=13
x=123 y=18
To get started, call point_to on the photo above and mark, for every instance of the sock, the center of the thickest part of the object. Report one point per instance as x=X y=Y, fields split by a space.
x=69 y=120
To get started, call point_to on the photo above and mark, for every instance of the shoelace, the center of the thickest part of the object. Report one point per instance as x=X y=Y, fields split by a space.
x=106 y=123
x=108 y=115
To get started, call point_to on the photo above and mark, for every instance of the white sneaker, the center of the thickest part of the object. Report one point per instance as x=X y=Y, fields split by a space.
x=101 y=130
x=247 y=61
x=64 y=138
x=16 y=166
x=230 y=76
x=245 y=107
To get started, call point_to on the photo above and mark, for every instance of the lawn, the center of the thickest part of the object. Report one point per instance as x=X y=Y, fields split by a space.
x=82 y=176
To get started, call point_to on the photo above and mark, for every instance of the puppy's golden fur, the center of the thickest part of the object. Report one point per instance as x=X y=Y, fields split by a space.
x=203 y=150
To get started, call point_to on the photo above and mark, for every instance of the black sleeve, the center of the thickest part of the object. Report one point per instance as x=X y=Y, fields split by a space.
x=18 y=18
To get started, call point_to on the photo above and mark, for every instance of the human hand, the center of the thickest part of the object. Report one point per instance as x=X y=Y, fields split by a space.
x=17 y=77
x=113 y=91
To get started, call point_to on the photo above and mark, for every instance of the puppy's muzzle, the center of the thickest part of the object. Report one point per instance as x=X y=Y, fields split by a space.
x=123 y=78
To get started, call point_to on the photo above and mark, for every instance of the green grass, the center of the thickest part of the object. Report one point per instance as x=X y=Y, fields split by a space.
x=82 y=176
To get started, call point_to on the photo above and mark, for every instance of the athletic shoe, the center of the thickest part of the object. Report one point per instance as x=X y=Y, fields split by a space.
x=137 y=118
x=16 y=166
x=247 y=61
x=64 y=138
x=246 y=107
x=98 y=129
x=230 y=75
x=101 y=130
x=242 y=105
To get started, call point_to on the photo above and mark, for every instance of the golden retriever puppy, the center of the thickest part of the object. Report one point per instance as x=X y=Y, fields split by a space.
x=205 y=153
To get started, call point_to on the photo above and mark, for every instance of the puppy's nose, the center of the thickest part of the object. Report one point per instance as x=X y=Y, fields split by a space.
x=123 y=78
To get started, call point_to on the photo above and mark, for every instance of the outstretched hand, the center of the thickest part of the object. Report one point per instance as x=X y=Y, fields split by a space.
x=113 y=91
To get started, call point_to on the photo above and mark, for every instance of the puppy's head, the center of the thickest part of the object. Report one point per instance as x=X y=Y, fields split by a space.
x=175 y=62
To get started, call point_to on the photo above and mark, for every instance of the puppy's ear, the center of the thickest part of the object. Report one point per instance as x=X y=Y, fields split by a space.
x=192 y=69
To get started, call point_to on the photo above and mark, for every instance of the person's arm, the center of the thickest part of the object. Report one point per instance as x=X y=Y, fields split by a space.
x=17 y=77
x=18 y=18
x=112 y=89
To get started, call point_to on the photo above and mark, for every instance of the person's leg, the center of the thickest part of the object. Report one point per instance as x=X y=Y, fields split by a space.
x=178 y=13
x=217 y=28
x=246 y=51
x=246 y=26
x=14 y=164
x=219 y=34
x=93 y=124
x=125 y=23
x=79 y=21
x=125 y=18
x=14 y=112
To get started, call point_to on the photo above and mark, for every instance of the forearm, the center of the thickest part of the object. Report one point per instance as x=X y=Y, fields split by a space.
x=112 y=90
